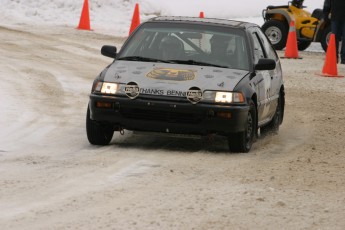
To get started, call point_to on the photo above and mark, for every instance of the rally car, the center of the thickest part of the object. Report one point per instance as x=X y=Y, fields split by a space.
x=193 y=76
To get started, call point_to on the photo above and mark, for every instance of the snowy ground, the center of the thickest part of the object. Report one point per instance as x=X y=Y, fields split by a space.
x=114 y=16
x=52 y=178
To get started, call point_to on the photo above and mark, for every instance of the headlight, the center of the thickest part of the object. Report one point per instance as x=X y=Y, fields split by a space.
x=223 y=97
x=106 y=87
x=109 y=88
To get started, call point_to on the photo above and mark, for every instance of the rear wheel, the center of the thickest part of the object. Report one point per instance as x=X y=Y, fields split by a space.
x=317 y=13
x=242 y=141
x=326 y=34
x=277 y=32
x=97 y=134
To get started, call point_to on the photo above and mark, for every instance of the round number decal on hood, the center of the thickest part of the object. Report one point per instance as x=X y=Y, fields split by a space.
x=194 y=95
x=132 y=90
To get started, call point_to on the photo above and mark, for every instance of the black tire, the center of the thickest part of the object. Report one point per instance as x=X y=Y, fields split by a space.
x=325 y=37
x=97 y=134
x=242 y=141
x=273 y=126
x=277 y=32
x=317 y=13
x=303 y=45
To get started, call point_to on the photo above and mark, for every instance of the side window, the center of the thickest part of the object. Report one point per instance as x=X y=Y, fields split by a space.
x=258 y=50
x=271 y=53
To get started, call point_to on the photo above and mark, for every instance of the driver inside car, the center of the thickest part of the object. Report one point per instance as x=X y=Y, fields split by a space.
x=219 y=54
x=171 y=48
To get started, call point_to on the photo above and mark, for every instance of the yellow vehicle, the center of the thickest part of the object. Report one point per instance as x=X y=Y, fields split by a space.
x=309 y=27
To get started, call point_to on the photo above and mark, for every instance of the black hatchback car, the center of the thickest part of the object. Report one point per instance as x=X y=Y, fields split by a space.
x=193 y=76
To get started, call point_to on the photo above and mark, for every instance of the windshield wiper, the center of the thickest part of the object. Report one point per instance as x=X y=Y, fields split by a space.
x=193 y=62
x=140 y=58
x=186 y=62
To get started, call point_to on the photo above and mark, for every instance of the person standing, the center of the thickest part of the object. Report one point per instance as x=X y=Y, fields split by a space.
x=334 y=10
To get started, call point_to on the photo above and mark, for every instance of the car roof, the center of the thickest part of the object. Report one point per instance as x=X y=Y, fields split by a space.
x=206 y=21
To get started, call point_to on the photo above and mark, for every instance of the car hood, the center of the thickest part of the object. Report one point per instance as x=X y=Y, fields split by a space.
x=166 y=77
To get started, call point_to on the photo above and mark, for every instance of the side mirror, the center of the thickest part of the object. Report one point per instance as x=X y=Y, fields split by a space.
x=265 y=64
x=109 y=51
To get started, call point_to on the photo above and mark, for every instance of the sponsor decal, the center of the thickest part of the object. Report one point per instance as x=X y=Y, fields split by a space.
x=172 y=74
x=152 y=91
x=170 y=92
x=176 y=93
x=132 y=90
x=194 y=95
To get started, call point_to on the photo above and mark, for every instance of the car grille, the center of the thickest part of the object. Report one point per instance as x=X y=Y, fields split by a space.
x=165 y=116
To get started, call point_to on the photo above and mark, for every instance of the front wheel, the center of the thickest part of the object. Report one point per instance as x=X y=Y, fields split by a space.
x=242 y=141
x=97 y=134
x=277 y=33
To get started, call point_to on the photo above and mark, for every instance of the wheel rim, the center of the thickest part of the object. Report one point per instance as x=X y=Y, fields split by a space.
x=276 y=118
x=279 y=111
x=249 y=131
x=274 y=34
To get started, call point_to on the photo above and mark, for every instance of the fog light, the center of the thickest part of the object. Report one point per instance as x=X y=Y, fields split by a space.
x=226 y=115
x=100 y=104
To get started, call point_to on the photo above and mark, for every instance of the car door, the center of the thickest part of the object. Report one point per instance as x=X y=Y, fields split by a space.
x=262 y=80
x=275 y=74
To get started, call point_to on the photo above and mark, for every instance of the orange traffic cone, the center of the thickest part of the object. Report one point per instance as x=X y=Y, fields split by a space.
x=135 y=19
x=330 y=65
x=291 y=50
x=201 y=15
x=84 y=23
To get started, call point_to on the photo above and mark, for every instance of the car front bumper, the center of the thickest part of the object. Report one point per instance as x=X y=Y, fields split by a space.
x=161 y=115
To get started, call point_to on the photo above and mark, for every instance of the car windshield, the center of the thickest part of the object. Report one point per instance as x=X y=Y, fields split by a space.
x=191 y=44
